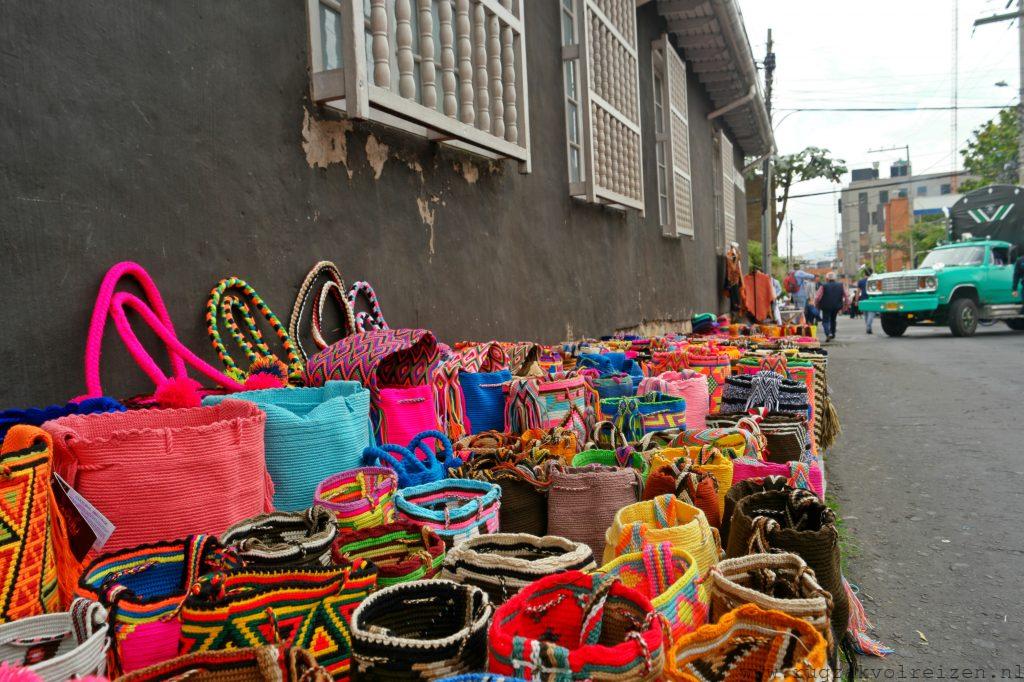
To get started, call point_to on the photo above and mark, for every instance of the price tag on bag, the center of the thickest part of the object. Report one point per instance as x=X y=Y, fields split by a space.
x=87 y=527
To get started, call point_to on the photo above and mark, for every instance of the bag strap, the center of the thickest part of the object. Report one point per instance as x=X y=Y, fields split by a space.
x=366 y=320
x=101 y=311
x=336 y=285
x=123 y=300
x=234 y=295
x=448 y=460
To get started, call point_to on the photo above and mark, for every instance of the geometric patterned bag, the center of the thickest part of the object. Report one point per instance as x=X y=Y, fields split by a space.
x=28 y=569
x=307 y=608
x=257 y=664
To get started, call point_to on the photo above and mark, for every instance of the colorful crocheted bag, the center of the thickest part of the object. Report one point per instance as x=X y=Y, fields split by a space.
x=750 y=643
x=621 y=457
x=457 y=509
x=663 y=519
x=250 y=664
x=503 y=563
x=308 y=608
x=359 y=498
x=142 y=588
x=775 y=582
x=644 y=414
x=59 y=646
x=331 y=285
x=484 y=398
x=332 y=420
x=797 y=522
x=687 y=384
x=37 y=416
x=406 y=462
x=562 y=400
x=523 y=481
x=167 y=473
x=421 y=631
x=714 y=365
x=582 y=501
x=31 y=519
x=401 y=551
x=797 y=474
x=489 y=357
x=574 y=626
x=667 y=576
x=283 y=539
x=397 y=366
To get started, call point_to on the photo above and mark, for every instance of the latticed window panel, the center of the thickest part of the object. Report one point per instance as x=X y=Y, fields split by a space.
x=451 y=70
x=728 y=189
x=672 y=137
x=603 y=101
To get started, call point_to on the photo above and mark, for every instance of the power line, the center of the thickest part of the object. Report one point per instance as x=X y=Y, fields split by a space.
x=883 y=185
x=877 y=109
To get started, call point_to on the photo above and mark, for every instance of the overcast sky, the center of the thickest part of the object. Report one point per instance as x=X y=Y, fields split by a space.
x=888 y=53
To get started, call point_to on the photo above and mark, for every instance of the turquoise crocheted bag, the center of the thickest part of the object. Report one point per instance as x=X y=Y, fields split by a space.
x=311 y=433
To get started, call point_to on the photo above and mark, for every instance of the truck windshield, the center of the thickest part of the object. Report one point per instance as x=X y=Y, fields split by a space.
x=965 y=255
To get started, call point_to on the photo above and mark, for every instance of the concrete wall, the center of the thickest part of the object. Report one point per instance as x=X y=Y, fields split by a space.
x=180 y=135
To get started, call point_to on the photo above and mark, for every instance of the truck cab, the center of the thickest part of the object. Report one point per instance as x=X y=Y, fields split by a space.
x=958 y=284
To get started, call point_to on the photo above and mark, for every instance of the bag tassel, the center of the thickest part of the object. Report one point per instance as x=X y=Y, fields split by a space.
x=830 y=427
x=859 y=625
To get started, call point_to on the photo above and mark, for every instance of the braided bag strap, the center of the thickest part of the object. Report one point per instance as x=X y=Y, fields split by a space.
x=233 y=296
x=333 y=286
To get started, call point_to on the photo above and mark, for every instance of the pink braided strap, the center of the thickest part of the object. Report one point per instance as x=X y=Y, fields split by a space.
x=142 y=357
x=98 y=322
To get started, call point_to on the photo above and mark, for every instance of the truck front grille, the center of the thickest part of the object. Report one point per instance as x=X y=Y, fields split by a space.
x=899 y=285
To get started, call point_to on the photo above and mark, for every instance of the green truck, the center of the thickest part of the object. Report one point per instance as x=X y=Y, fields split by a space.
x=965 y=282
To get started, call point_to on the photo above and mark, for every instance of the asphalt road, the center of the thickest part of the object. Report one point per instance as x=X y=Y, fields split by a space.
x=929 y=473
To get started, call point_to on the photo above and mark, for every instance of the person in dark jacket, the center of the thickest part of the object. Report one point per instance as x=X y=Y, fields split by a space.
x=831 y=298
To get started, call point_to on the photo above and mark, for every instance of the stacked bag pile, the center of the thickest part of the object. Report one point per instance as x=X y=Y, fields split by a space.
x=391 y=507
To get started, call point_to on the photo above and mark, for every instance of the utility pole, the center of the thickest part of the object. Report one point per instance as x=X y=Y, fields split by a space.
x=768 y=189
x=1019 y=16
x=910 y=194
x=789 y=248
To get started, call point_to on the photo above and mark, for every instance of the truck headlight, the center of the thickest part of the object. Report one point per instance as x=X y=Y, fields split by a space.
x=875 y=286
x=927 y=283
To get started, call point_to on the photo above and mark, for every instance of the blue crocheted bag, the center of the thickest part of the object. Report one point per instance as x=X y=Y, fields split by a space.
x=410 y=468
x=311 y=433
x=484 y=399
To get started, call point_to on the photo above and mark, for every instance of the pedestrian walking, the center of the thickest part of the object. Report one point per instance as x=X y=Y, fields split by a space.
x=830 y=299
x=776 y=302
x=862 y=295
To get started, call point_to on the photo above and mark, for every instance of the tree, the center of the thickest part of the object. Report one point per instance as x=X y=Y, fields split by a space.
x=810 y=164
x=754 y=252
x=991 y=153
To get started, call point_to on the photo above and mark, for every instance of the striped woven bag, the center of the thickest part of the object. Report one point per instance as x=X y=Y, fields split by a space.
x=359 y=498
x=457 y=509
x=310 y=608
x=401 y=551
x=667 y=576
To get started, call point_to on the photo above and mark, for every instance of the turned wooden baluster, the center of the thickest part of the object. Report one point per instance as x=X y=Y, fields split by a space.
x=448 y=82
x=462 y=29
x=483 y=99
x=403 y=36
x=508 y=60
x=428 y=71
x=494 y=66
x=379 y=44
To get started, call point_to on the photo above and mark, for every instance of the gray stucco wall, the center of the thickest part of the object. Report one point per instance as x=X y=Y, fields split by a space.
x=172 y=134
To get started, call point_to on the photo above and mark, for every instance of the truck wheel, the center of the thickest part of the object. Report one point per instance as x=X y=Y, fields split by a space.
x=963 y=317
x=1015 y=325
x=894 y=325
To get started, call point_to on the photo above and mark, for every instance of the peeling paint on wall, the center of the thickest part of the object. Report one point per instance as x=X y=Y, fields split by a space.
x=376 y=155
x=325 y=142
x=470 y=172
x=427 y=216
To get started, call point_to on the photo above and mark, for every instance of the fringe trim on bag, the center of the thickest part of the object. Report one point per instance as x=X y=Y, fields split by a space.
x=830 y=426
x=859 y=625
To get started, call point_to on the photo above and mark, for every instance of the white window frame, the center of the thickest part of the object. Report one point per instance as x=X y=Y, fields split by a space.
x=672 y=126
x=374 y=69
x=604 y=170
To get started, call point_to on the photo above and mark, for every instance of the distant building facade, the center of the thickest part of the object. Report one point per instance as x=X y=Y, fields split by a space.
x=862 y=206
